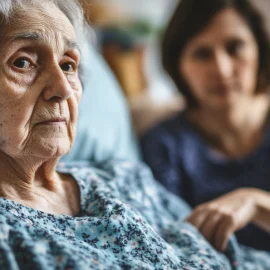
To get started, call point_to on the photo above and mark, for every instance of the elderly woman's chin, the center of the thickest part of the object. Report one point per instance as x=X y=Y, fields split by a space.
x=54 y=149
x=54 y=145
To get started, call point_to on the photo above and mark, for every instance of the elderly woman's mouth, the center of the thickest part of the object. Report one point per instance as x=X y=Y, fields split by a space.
x=54 y=121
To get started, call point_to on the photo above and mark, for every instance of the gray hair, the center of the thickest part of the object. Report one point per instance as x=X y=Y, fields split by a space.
x=71 y=8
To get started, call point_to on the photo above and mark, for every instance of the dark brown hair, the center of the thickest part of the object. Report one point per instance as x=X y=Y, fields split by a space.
x=191 y=17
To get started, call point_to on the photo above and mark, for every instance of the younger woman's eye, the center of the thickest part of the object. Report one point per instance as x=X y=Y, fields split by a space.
x=68 y=67
x=202 y=54
x=234 y=47
x=22 y=63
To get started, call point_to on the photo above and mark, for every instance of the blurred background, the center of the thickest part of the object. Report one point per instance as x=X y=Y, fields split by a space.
x=128 y=35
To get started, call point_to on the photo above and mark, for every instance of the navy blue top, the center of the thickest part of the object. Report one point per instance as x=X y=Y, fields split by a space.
x=185 y=164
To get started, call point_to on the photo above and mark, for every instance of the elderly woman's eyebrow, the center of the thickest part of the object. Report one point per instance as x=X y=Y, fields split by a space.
x=26 y=35
x=71 y=44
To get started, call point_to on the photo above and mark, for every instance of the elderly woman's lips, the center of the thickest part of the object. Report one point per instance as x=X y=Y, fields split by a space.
x=55 y=121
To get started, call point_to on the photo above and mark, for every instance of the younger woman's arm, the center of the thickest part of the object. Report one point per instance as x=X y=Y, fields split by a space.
x=262 y=217
x=218 y=219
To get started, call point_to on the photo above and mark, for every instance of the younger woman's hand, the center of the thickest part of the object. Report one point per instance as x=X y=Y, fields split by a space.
x=220 y=218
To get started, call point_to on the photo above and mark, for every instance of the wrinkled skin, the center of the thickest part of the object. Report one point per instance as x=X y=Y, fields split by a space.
x=39 y=82
x=40 y=91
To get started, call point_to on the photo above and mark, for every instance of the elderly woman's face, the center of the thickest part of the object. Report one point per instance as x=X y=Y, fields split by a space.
x=39 y=84
x=220 y=64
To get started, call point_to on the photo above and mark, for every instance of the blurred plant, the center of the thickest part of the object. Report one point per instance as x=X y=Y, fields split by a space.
x=142 y=29
x=129 y=35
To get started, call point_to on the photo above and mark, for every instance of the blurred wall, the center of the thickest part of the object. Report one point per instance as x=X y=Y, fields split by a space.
x=264 y=7
x=157 y=11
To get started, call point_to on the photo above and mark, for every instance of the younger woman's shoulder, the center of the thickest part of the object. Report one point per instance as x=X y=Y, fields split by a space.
x=169 y=129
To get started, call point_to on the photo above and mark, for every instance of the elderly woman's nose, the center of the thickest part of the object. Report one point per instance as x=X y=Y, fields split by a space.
x=57 y=86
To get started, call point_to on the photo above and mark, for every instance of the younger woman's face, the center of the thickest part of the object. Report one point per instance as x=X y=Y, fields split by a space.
x=220 y=64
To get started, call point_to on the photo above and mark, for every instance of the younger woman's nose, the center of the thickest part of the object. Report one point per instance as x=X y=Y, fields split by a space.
x=223 y=66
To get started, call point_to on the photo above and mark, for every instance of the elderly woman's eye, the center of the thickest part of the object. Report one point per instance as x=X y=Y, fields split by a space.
x=21 y=63
x=68 y=67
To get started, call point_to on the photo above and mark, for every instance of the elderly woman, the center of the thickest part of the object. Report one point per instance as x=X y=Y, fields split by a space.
x=107 y=216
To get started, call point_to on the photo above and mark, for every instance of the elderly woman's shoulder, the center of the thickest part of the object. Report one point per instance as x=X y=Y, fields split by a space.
x=120 y=179
x=7 y=218
x=107 y=170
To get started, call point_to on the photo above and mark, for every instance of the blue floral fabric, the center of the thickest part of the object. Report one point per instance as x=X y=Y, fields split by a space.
x=127 y=221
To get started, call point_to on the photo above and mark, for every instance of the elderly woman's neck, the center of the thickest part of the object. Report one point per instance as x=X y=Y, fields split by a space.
x=22 y=177
x=39 y=186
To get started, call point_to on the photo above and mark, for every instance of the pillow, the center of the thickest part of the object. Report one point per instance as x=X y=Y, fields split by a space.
x=104 y=129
